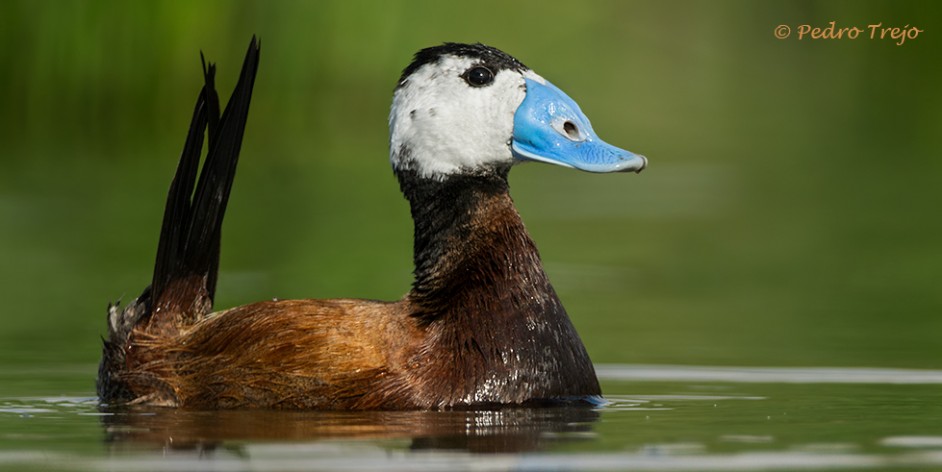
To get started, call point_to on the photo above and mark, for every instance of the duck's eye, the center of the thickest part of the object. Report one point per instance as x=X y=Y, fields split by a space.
x=478 y=76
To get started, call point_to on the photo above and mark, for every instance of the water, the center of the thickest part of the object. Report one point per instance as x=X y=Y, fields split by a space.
x=657 y=418
x=788 y=222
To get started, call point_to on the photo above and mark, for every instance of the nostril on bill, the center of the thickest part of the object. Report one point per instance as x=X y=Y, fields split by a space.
x=571 y=130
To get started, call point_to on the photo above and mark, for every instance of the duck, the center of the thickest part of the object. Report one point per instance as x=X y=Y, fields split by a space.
x=481 y=325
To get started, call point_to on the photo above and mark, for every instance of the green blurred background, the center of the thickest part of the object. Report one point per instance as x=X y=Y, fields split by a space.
x=789 y=215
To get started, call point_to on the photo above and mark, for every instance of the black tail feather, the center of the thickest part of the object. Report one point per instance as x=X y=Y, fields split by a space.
x=212 y=98
x=185 y=272
x=177 y=212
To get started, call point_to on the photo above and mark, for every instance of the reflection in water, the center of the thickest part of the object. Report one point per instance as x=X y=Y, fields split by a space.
x=480 y=431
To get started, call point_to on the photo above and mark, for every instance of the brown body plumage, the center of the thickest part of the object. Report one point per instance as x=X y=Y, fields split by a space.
x=482 y=326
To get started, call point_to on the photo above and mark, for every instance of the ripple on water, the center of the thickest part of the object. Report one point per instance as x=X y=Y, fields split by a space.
x=913 y=441
x=799 y=375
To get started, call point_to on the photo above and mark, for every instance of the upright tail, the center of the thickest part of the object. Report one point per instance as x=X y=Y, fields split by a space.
x=185 y=272
x=184 y=280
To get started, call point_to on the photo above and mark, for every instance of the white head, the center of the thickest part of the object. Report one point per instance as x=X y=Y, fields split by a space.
x=458 y=108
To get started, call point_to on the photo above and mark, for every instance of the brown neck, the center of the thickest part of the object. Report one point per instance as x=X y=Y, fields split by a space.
x=480 y=288
x=470 y=246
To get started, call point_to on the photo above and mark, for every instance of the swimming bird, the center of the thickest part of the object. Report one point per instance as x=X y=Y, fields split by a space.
x=481 y=325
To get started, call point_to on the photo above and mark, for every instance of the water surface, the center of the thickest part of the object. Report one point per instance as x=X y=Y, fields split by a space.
x=656 y=418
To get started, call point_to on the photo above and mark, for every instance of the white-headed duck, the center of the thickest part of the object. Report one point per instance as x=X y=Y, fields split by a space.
x=481 y=325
